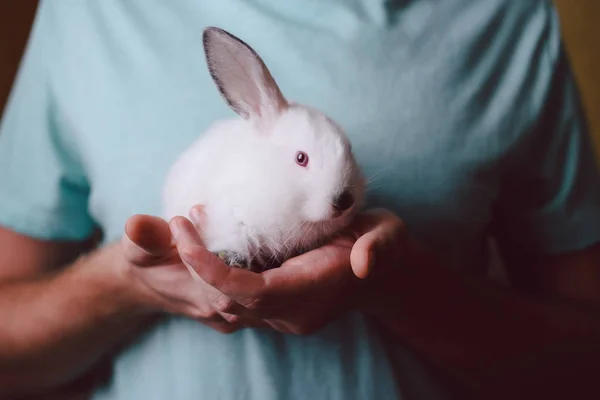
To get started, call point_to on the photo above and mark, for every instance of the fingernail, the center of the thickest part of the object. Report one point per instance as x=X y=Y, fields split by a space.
x=175 y=229
x=196 y=215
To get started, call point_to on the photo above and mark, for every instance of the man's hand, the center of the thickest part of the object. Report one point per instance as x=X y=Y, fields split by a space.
x=150 y=248
x=308 y=291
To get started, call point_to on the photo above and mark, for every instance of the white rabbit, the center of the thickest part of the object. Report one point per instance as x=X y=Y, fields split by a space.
x=275 y=181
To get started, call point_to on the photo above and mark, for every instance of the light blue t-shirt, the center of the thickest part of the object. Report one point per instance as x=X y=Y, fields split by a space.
x=463 y=112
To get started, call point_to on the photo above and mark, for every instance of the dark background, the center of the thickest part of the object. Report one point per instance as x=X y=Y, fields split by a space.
x=15 y=20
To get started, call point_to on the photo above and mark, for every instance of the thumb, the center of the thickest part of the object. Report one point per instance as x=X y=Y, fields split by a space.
x=146 y=240
x=362 y=256
x=379 y=232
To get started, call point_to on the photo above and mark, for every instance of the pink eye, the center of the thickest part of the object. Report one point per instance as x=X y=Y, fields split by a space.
x=301 y=158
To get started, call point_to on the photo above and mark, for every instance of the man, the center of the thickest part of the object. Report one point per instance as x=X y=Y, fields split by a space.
x=463 y=113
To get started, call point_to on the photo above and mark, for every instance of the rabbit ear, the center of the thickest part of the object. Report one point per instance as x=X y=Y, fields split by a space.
x=241 y=76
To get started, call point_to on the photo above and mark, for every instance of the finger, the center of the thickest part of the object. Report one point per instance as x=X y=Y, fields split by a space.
x=239 y=285
x=225 y=305
x=146 y=240
x=211 y=316
x=186 y=235
x=315 y=271
x=223 y=327
x=279 y=326
x=184 y=232
x=245 y=321
x=296 y=328
x=228 y=323
x=383 y=236
x=362 y=257
x=198 y=218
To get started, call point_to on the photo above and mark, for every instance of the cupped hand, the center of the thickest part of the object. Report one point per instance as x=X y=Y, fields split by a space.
x=150 y=247
x=306 y=292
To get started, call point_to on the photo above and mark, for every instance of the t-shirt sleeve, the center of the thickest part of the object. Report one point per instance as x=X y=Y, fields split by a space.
x=43 y=189
x=550 y=203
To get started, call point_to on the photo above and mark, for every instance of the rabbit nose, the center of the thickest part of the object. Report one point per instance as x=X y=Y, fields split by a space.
x=343 y=201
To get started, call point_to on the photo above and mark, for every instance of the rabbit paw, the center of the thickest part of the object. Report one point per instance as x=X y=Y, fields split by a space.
x=233 y=259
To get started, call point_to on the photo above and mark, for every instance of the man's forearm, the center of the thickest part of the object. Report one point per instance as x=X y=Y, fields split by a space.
x=493 y=342
x=55 y=328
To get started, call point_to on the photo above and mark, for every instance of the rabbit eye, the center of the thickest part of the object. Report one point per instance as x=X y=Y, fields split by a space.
x=302 y=158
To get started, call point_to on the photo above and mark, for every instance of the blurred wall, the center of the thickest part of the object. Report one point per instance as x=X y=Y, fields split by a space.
x=581 y=30
x=15 y=19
